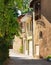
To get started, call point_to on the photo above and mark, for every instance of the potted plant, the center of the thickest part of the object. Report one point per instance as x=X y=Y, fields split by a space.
x=49 y=58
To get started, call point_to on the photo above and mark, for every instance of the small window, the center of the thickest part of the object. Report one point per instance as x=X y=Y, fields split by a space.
x=31 y=26
x=28 y=26
x=23 y=26
x=40 y=34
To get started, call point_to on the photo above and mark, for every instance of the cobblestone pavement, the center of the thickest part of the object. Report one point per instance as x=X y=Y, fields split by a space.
x=16 y=59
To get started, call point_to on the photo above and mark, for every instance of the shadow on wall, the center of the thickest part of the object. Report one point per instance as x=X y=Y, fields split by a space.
x=46 y=9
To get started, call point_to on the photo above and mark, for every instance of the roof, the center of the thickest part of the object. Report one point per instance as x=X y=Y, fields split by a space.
x=20 y=17
x=26 y=17
x=23 y=18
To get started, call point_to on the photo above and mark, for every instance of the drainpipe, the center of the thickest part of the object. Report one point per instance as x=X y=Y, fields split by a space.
x=32 y=35
x=33 y=20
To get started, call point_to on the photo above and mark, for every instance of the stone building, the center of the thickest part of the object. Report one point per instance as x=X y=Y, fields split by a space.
x=27 y=34
x=41 y=27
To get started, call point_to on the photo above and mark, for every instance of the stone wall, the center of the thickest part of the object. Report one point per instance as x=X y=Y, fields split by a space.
x=44 y=26
x=45 y=41
x=17 y=43
x=46 y=9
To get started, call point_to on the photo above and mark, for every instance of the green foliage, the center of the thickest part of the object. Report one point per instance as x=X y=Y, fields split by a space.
x=8 y=23
x=23 y=5
x=19 y=3
x=49 y=56
x=9 y=27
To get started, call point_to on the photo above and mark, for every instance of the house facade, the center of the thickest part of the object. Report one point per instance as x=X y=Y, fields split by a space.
x=26 y=22
x=41 y=27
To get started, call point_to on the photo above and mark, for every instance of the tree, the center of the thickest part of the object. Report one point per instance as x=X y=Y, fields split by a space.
x=8 y=23
x=9 y=27
x=23 y=5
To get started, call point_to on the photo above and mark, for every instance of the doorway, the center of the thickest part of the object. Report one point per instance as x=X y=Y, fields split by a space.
x=30 y=48
x=37 y=50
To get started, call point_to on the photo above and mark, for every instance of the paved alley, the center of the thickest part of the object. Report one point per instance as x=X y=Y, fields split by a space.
x=21 y=56
x=19 y=59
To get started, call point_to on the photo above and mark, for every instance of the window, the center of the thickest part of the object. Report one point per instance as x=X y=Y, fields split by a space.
x=40 y=34
x=37 y=50
x=23 y=26
x=28 y=26
x=31 y=26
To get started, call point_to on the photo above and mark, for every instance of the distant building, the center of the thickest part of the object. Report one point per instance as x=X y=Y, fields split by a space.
x=27 y=34
x=18 y=41
x=41 y=27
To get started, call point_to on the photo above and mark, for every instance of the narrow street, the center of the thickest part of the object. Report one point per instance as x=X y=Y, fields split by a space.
x=12 y=53
x=19 y=59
